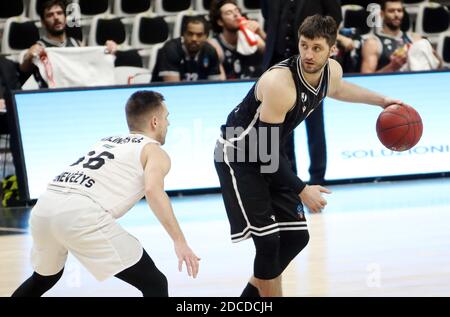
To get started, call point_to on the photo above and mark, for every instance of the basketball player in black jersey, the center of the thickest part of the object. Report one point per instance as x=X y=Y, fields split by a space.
x=263 y=202
x=385 y=51
x=225 y=17
x=189 y=57
x=378 y=50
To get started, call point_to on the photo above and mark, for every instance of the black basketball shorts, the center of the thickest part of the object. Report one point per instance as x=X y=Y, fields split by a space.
x=255 y=204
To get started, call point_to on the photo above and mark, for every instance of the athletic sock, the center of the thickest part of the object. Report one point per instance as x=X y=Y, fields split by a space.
x=250 y=291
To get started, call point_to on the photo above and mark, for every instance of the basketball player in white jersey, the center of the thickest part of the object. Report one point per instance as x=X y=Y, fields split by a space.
x=78 y=210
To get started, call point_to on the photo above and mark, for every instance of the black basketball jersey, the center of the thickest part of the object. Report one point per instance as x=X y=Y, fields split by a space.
x=246 y=114
x=173 y=59
x=388 y=46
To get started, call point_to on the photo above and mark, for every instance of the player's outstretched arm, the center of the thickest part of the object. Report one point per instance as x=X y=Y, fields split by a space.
x=343 y=90
x=156 y=166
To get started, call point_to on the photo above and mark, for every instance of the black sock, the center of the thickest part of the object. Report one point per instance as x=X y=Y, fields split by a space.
x=250 y=291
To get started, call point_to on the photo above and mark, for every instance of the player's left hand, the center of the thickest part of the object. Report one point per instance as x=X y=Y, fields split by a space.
x=186 y=255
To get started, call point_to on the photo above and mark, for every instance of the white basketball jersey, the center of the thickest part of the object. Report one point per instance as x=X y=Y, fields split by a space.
x=111 y=173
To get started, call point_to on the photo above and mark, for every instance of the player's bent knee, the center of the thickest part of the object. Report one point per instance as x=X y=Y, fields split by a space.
x=155 y=285
x=267 y=259
x=292 y=243
x=301 y=239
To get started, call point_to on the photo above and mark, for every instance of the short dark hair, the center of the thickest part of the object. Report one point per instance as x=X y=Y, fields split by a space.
x=194 y=19
x=140 y=104
x=316 y=26
x=383 y=3
x=47 y=4
x=215 y=14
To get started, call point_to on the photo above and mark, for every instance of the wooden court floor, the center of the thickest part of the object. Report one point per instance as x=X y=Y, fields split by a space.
x=378 y=239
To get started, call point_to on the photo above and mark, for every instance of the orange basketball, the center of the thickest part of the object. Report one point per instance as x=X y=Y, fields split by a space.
x=399 y=127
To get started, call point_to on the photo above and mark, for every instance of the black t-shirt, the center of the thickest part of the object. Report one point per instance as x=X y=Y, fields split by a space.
x=173 y=60
x=236 y=65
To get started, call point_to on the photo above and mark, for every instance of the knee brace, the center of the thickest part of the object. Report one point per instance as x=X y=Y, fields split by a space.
x=267 y=259
x=291 y=243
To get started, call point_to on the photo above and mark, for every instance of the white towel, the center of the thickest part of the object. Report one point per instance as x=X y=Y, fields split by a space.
x=247 y=40
x=421 y=57
x=76 y=66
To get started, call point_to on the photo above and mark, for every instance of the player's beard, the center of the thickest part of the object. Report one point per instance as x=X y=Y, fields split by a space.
x=54 y=32
x=50 y=27
x=392 y=26
x=309 y=69
x=193 y=49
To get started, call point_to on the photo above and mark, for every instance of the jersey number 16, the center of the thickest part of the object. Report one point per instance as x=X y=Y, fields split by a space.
x=94 y=163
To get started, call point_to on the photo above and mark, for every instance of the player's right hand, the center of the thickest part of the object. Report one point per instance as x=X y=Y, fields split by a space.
x=186 y=255
x=311 y=196
x=252 y=25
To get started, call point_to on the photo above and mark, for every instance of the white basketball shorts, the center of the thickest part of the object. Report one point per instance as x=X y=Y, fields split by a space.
x=62 y=222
